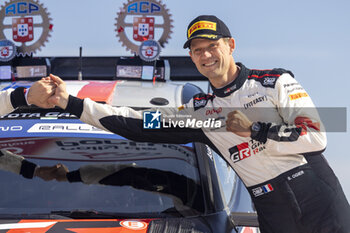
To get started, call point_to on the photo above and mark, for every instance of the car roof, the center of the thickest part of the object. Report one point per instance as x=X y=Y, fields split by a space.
x=118 y=92
x=141 y=94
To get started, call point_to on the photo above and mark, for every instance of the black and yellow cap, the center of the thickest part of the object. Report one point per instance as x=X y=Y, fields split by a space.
x=207 y=27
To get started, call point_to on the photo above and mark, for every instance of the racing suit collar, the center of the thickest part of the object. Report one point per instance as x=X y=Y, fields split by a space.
x=234 y=85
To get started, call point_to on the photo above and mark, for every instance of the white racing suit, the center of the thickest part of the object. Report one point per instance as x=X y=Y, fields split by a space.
x=291 y=184
x=11 y=99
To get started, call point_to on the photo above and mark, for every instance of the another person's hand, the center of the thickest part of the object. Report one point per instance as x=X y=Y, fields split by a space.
x=57 y=172
x=39 y=93
x=238 y=123
x=60 y=98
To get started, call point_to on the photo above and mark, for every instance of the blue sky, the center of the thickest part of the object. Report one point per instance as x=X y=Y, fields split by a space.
x=311 y=38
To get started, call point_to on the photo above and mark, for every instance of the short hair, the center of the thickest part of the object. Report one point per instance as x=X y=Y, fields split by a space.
x=226 y=39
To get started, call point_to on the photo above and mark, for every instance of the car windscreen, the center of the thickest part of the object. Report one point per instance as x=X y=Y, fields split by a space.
x=109 y=175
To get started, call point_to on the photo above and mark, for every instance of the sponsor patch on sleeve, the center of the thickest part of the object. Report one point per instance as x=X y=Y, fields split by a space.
x=298 y=95
x=200 y=100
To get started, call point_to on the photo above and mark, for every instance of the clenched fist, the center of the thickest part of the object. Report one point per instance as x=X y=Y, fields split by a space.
x=239 y=124
x=40 y=92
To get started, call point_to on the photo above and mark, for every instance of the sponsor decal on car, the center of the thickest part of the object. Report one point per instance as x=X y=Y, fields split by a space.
x=249 y=230
x=26 y=225
x=95 y=149
x=133 y=224
x=77 y=226
x=37 y=115
x=65 y=128
x=11 y=128
x=50 y=127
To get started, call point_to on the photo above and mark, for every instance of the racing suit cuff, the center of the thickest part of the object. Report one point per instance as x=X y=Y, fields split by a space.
x=75 y=106
x=261 y=135
x=27 y=169
x=74 y=176
x=18 y=97
x=26 y=95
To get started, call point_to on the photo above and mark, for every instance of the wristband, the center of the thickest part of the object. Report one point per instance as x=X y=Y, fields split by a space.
x=260 y=131
x=26 y=91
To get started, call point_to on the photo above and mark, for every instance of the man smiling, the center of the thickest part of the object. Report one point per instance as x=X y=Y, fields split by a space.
x=297 y=190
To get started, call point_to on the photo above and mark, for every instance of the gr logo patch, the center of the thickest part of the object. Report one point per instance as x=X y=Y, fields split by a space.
x=240 y=152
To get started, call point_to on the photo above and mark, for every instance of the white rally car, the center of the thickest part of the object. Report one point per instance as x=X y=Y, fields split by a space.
x=151 y=188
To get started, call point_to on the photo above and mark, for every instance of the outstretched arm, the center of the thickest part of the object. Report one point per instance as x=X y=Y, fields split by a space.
x=123 y=121
x=37 y=94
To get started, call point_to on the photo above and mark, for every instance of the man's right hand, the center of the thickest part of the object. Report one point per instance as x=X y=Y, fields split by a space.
x=238 y=123
x=60 y=97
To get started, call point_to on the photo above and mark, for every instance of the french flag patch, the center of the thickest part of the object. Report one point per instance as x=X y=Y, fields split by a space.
x=262 y=190
x=267 y=188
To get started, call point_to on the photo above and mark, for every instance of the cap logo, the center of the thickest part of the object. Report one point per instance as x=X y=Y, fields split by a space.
x=209 y=36
x=201 y=25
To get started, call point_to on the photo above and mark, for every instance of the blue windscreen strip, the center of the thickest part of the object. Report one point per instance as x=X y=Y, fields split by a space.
x=51 y=128
x=14 y=85
x=73 y=128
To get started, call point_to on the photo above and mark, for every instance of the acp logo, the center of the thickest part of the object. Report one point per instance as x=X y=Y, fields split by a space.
x=7 y=50
x=151 y=120
x=29 y=22
x=147 y=20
